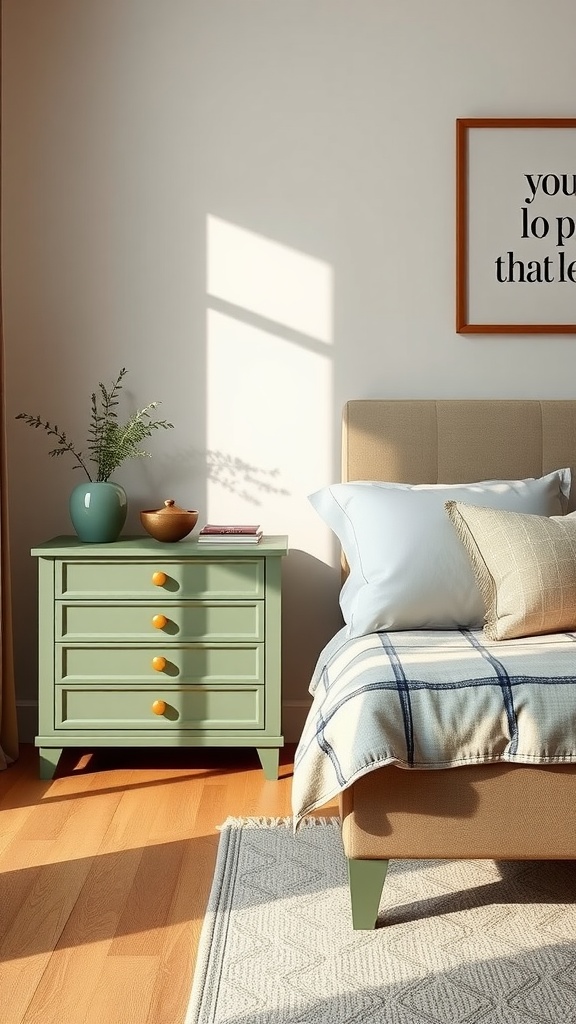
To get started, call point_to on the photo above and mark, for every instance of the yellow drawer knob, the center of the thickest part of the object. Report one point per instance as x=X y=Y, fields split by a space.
x=159 y=621
x=159 y=579
x=159 y=707
x=159 y=663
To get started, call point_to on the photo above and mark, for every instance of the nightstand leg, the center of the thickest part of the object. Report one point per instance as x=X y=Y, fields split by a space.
x=270 y=761
x=49 y=757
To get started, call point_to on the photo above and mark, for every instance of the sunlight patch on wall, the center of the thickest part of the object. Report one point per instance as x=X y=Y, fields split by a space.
x=268 y=431
x=269 y=388
x=261 y=276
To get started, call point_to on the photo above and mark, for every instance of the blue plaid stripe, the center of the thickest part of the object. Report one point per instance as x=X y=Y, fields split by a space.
x=330 y=752
x=505 y=686
x=403 y=688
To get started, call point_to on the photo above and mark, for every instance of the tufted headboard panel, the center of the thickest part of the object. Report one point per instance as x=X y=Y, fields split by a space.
x=457 y=440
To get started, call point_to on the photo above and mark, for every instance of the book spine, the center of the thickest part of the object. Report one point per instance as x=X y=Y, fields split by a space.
x=240 y=531
x=229 y=538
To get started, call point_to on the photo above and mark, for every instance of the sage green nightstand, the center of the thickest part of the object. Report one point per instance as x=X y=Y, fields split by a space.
x=149 y=644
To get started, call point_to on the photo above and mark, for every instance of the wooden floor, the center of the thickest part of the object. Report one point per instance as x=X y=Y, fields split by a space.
x=104 y=877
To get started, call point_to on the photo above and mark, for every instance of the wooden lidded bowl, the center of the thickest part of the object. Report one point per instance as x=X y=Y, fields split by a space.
x=170 y=523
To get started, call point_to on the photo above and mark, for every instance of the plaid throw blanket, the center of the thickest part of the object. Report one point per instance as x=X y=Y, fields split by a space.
x=433 y=699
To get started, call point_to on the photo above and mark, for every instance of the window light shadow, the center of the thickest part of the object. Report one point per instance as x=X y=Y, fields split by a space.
x=256 y=274
x=269 y=380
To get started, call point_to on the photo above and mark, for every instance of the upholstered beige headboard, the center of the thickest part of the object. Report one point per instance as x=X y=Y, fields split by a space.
x=457 y=441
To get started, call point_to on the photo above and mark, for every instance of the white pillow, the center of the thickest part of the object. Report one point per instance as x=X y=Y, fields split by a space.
x=408 y=568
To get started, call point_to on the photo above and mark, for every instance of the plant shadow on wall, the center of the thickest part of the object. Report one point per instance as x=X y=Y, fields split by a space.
x=98 y=508
x=251 y=483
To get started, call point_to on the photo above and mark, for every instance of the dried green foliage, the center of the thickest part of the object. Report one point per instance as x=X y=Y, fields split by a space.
x=110 y=442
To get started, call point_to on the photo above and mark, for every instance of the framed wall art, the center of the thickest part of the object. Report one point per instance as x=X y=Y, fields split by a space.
x=516 y=225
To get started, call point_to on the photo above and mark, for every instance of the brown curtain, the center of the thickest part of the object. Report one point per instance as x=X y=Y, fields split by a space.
x=8 y=727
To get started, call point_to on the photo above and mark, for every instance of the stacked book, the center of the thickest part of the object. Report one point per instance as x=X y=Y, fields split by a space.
x=233 y=534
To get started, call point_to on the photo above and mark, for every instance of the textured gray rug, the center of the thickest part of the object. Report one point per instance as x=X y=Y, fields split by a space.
x=459 y=942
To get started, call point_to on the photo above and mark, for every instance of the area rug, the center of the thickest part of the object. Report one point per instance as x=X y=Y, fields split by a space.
x=458 y=942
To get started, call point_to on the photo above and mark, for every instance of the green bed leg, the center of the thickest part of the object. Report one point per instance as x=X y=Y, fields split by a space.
x=366 y=878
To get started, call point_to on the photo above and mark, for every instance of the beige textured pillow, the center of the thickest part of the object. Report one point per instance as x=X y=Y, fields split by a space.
x=525 y=566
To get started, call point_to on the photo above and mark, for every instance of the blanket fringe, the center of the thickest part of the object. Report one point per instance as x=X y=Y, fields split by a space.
x=279 y=822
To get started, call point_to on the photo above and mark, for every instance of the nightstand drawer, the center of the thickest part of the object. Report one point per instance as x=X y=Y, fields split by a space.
x=209 y=664
x=202 y=620
x=225 y=578
x=186 y=708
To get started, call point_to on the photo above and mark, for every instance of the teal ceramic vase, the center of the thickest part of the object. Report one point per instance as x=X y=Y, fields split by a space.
x=98 y=511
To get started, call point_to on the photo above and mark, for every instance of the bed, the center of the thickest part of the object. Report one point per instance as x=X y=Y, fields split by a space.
x=506 y=789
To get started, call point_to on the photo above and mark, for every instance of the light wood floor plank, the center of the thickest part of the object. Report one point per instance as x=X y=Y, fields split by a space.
x=105 y=874
x=145 y=915
x=124 y=991
x=180 y=942
x=68 y=985
x=18 y=982
x=69 y=982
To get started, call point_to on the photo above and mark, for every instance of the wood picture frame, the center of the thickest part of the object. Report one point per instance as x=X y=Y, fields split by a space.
x=516 y=225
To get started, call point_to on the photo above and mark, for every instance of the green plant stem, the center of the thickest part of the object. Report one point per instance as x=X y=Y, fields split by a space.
x=64 y=445
x=109 y=443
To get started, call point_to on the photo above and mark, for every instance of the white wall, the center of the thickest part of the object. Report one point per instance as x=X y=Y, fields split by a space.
x=250 y=204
